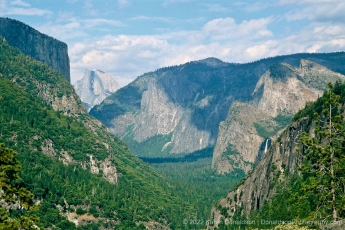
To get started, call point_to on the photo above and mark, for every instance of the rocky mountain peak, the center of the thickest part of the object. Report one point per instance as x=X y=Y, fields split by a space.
x=95 y=86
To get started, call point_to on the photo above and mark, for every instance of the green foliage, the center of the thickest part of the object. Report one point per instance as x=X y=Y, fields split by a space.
x=285 y=205
x=80 y=211
x=183 y=158
x=267 y=129
x=325 y=160
x=13 y=192
x=156 y=146
x=230 y=150
x=27 y=123
x=317 y=194
x=33 y=76
x=198 y=184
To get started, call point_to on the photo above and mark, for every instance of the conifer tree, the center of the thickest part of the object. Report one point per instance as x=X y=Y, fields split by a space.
x=325 y=159
x=13 y=195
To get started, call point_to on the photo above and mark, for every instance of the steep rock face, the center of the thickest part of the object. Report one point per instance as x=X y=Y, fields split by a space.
x=238 y=141
x=95 y=86
x=42 y=82
x=200 y=94
x=156 y=108
x=36 y=45
x=283 y=90
x=281 y=157
x=279 y=93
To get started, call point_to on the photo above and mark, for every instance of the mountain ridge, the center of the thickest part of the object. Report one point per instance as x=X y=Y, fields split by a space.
x=200 y=95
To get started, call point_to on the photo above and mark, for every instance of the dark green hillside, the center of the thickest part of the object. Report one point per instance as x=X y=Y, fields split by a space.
x=27 y=123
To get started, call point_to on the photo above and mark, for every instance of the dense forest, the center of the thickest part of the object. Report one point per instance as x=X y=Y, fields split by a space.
x=141 y=196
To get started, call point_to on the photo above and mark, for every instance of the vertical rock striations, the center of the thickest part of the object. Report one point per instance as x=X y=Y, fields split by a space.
x=279 y=93
x=95 y=86
x=179 y=108
x=36 y=45
x=281 y=159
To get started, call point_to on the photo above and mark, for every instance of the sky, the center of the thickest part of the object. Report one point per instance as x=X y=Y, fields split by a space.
x=128 y=38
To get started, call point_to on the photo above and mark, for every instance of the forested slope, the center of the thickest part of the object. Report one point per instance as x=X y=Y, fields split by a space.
x=70 y=162
x=296 y=179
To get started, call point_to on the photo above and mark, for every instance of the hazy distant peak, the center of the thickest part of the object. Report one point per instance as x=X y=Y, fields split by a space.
x=95 y=86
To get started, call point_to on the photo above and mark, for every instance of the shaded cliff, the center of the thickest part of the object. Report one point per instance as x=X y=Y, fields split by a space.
x=39 y=46
x=179 y=108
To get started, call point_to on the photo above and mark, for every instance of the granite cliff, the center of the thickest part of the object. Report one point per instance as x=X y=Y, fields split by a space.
x=177 y=110
x=281 y=159
x=94 y=87
x=279 y=93
x=36 y=45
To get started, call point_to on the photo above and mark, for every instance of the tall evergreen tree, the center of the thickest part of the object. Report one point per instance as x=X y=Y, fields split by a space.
x=325 y=159
x=15 y=199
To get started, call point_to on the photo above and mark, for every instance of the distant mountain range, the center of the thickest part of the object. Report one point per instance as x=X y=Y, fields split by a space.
x=95 y=86
x=233 y=108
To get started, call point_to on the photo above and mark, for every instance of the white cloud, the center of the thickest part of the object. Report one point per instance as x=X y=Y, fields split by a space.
x=131 y=56
x=90 y=9
x=20 y=3
x=27 y=11
x=127 y=57
x=89 y=23
x=18 y=7
x=258 y=6
x=68 y=27
x=226 y=28
x=318 y=10
x=2 y=4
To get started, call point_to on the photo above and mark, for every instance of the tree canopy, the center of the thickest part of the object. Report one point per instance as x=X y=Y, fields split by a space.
x=16 y=201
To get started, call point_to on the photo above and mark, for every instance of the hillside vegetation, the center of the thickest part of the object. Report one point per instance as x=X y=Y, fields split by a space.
x=62 y=153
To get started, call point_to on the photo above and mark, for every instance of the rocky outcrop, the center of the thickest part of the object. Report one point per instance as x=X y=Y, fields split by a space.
x=36 y=45
x=95 y=86
x=281 y=90
x=105 y=167
x=279 y=93
x=259 y=184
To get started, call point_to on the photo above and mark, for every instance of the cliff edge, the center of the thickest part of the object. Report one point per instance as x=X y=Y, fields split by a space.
x=39 y=46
